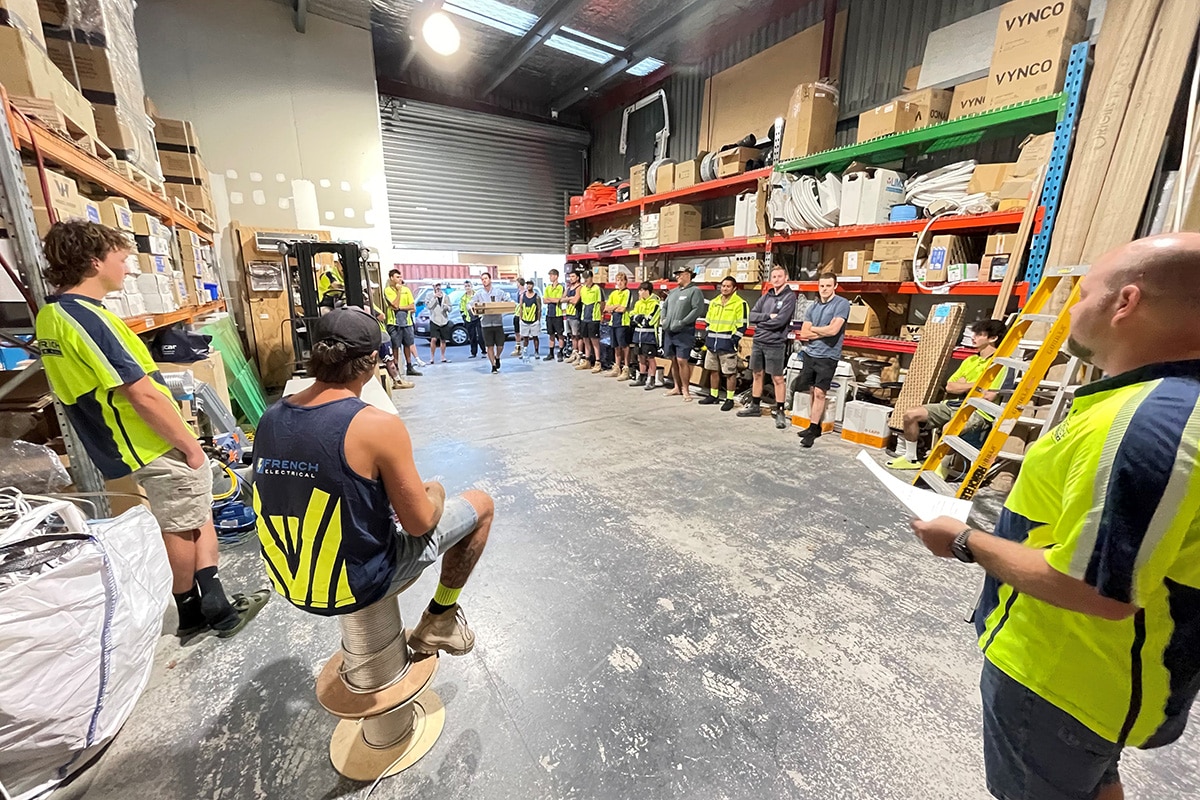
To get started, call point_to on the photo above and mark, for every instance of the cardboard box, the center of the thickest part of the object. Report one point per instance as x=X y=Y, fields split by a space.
x=994 y=266
x=894 y=248
x=910 y=333
x=687 y=173
x=25 y=71
x=1000 y=243
x=894 y=117
x=879 y=190
x=854 y=265
x=863 y=321
x=153 y=264
x=833 y=254
x=811 y=121
x=735 y=160
x=969 y=98
x=183 y=167
x=678 y=223
x=802 y=407
x=988 y=178
x=1026 y=74
x=890 y=270
x=664 y=179
x=944 y=250
x=866 y=424
x=718 y=232
x=115 y=213
x=149 y=225
x=637 y=181
x=64 y=193
x=499 y=307
x=1025 y=24
x=24 y=16
x=193 y=196
x=933 y=105
x=175 y=134
x=912 y=79
x=120 y=131
x=715 y=274
x=1035 y=153
x=600 y=274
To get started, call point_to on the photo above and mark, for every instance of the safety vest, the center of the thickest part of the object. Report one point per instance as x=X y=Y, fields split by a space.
x=649 y=312
x=403 y=296
x=724 y=319
x=464 y=307
x=529 y=308
x=620 y=297
x=571 y=309
x=552 y=291
x=590 y=296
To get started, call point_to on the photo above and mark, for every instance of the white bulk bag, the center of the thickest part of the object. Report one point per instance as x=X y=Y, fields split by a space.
x=77 y=637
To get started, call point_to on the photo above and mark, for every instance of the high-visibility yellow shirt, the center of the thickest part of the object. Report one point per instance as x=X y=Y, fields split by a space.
x=970 y=371
x=553 y=291
x=724 y=319
x=620 y=297
x=1110 y=497
x=402 y=296
x=589 y=298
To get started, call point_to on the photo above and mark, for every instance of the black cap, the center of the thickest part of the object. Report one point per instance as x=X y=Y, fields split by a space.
x=352 y=327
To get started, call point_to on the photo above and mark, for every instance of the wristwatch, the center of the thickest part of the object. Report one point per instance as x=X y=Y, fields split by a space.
x=960 y=548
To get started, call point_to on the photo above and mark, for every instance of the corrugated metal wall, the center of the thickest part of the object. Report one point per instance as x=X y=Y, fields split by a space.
x=460 y=180
x=883 y=39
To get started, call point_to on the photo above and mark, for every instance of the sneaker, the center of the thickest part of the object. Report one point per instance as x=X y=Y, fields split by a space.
x=625 y=375
x=752 y=410
x=708 y=400
x=473 y=355
x=447 y=632
x=900 y=462
x=727 y=405
x=412 y=371
x=781 y=421
x=247 y=608
x=810 y=435
x=596 y=370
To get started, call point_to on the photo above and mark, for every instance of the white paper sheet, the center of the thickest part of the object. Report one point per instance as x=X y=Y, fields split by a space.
x=373 y=393
x=924 y=504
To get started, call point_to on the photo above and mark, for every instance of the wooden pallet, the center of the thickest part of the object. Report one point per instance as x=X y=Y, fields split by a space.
x=45 y=113
x=184 y=208
x=136 y=176
x=205 y=221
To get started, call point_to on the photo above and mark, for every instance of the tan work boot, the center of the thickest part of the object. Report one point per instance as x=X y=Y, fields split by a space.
x=447 y=632
x=582 y=365
x=597 y=369
x=612 y=373
x=403 y=384
x=625 y=375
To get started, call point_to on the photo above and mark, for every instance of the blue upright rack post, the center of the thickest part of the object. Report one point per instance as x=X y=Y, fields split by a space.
x=1056 y=172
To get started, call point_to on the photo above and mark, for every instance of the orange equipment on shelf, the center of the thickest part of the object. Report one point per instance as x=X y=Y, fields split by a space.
x=598 y=195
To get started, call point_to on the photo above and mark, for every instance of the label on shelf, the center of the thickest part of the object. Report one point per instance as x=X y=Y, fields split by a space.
x=756 y=240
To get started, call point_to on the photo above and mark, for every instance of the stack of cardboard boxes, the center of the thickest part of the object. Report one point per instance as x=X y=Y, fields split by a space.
x=27 y=71
x=183 y=169
x=94 y=44
x=1029 y=61
x=198 y=268
x=64 y=198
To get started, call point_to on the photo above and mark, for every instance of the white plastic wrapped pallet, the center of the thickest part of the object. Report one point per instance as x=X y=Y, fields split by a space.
x=79 y=627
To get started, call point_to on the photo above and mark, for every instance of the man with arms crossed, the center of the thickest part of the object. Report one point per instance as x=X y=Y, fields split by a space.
x=1090 y=616
x=618 y=307
x=772 y=319
x=823 y=330
x=491 y=324
x=552 y=298
x=402 y=305
x=685 y=305
x=124 y=413
x=590 y=302
x=570 y=310
x=328 y=505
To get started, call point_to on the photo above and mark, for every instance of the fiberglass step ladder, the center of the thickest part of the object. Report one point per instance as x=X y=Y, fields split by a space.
x=1014 y=353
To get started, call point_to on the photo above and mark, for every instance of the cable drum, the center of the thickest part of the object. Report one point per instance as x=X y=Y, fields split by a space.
x=652 y=173
x=374 y=651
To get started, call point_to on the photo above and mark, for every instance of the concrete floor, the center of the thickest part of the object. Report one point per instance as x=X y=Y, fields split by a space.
x=675 y=603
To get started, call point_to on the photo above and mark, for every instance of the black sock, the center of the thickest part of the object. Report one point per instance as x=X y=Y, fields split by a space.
x=755 y=401
x=437 y=608
x=779 y=406
x=213 y=601
x=188 y=606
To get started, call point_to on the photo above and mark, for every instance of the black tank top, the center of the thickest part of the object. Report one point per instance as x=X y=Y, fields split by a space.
x=327 y=534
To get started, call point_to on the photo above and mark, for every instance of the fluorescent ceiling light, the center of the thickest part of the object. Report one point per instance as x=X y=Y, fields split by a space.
x=591 y=38
x=440 y=34
x=645 y=67
x=578 y=49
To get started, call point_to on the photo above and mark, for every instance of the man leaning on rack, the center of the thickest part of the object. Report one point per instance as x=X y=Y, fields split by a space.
x=128 y=421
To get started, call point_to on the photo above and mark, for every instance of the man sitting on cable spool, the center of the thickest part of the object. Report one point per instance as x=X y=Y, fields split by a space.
x=333 y=476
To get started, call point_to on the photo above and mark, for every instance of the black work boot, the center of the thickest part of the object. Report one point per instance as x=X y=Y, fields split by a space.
x=752 y=410
x=810 y=435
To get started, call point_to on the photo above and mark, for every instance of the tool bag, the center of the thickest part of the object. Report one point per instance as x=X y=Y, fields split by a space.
x=81 y=609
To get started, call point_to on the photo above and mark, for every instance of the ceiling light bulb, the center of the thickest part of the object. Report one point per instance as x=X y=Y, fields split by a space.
x=440 y=34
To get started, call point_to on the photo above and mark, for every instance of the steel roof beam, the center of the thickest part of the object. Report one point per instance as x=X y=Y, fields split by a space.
x=547 y=25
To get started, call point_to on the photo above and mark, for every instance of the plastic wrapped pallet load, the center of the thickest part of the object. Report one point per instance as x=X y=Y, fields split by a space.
x=81 y=607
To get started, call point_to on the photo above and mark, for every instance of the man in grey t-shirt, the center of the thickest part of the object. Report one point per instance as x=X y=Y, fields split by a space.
x=685 y=305
x=823 y=330
x=492 y=324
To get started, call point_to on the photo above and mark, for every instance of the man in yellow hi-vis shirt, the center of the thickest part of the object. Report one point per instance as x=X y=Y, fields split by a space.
x=1089 y=620
x=986 y=335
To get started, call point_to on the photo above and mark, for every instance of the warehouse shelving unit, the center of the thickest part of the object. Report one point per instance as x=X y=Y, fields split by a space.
x=19 y=136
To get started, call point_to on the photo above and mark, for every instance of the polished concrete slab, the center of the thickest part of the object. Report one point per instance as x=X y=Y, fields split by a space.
x=676 y=603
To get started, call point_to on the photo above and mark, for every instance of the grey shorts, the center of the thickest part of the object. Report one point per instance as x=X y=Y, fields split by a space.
x=727 y=363
x=768 y=358
x=416 y=553
x=402 y=336
x=180 y=497
x=940 y=415
x=530 y=330
x=573 y=327
x=1032 y=750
